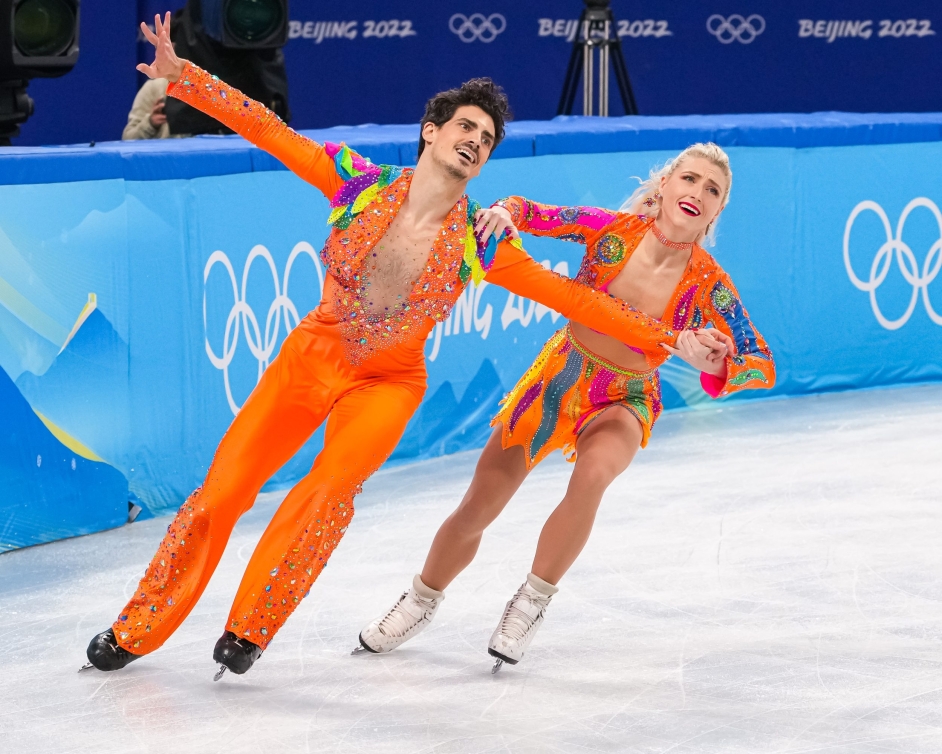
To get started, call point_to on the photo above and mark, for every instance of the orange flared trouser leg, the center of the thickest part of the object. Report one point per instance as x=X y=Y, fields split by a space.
x=368 y=411
x=364 y=427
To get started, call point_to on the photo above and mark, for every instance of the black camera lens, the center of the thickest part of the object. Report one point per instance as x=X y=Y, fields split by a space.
x=44 y=28
x=254 y=20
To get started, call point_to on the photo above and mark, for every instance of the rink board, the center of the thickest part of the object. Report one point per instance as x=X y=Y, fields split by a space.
x=115 y=296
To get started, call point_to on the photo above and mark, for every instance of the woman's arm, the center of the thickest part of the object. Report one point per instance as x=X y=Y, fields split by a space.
x=752 y=365
x=566 y=223
x=519 y=273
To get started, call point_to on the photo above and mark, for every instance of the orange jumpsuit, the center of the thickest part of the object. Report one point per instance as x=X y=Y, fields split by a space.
x=568 y=385
x=363 y=373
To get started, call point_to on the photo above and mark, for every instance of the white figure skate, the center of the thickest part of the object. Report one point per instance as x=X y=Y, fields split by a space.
x=407 y=618
x=522 y=617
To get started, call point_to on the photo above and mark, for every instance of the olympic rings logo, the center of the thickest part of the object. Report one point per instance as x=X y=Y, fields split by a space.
x=241 y=316
x=477 y=26
x=895 y=247
x=735 y=28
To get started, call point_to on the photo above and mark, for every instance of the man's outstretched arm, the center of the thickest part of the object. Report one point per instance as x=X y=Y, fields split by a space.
x=248 y=118
x=519 y=273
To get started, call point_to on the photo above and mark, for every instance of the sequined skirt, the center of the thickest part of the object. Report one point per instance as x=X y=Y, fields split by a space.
x=564 y=390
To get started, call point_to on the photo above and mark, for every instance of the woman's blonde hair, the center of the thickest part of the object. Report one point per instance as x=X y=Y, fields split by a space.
x=635 y=204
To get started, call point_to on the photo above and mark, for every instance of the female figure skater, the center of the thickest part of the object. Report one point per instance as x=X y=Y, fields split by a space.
x=589 y=395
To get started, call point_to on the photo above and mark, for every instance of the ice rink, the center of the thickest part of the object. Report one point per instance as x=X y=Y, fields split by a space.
x=767 y=577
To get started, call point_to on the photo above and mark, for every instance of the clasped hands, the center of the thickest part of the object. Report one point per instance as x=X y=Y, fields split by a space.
x=705 y=350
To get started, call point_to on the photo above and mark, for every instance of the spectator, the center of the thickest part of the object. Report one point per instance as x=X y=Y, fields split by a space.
x=147 y=119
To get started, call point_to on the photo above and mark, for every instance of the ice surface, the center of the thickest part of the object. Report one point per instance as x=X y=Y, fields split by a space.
x=765 y=578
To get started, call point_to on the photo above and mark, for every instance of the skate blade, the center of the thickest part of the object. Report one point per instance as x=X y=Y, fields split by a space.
x=86 y=666
x=497 y=666
x=219 y=673
x=363 y=648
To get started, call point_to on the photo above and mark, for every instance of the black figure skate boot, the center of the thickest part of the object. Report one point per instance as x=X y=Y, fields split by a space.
x=105 y=653
x=234 y=653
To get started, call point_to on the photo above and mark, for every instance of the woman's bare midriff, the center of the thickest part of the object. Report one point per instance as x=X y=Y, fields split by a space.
x=609 y=349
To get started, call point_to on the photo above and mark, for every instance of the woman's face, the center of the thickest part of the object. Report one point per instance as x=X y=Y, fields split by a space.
x=692 y=196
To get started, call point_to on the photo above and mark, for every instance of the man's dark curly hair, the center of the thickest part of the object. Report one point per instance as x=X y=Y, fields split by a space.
x=482 y=92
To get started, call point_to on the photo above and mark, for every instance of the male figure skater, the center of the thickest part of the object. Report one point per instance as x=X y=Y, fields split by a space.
x=402 y=248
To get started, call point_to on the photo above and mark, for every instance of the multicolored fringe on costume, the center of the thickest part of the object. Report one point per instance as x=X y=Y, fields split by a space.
x=478 y=258
x=564 y=390
x=362 y=183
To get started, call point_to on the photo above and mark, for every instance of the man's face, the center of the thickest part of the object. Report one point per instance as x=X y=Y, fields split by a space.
x=462 y=145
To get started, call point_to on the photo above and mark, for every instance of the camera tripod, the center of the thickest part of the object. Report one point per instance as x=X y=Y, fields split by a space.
x=596 y=30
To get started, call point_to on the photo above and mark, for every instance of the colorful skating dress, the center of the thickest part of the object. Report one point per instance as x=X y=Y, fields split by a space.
x=568 y=385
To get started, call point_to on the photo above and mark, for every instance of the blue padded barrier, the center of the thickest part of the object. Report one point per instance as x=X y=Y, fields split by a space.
x=174 y=159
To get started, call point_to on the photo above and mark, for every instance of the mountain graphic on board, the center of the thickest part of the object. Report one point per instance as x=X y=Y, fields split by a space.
x=48 y=490
x=85 y=390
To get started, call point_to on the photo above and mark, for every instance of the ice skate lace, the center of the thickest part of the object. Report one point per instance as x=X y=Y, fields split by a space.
x=516 y=624
x=399 y=621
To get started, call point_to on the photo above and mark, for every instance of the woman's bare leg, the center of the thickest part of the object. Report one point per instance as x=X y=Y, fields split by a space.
x=498 y=475
x=605 y=449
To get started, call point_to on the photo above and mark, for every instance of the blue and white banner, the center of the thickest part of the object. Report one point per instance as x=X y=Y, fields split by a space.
x=137 y=316
x=699 y=56
x=378 y=61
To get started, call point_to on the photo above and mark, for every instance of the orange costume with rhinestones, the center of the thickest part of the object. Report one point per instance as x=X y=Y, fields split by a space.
x=361 y=370
x=568 y=386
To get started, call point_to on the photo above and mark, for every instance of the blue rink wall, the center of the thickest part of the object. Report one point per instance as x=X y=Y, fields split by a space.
x=137 y=315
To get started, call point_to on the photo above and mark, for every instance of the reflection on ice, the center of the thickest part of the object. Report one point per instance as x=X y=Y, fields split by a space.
x=766 y=578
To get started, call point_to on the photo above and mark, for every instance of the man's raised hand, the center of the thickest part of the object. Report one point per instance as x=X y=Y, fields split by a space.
x=166 y=64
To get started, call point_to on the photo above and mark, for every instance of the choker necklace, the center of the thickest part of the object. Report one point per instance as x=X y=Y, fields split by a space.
x=667 y=242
